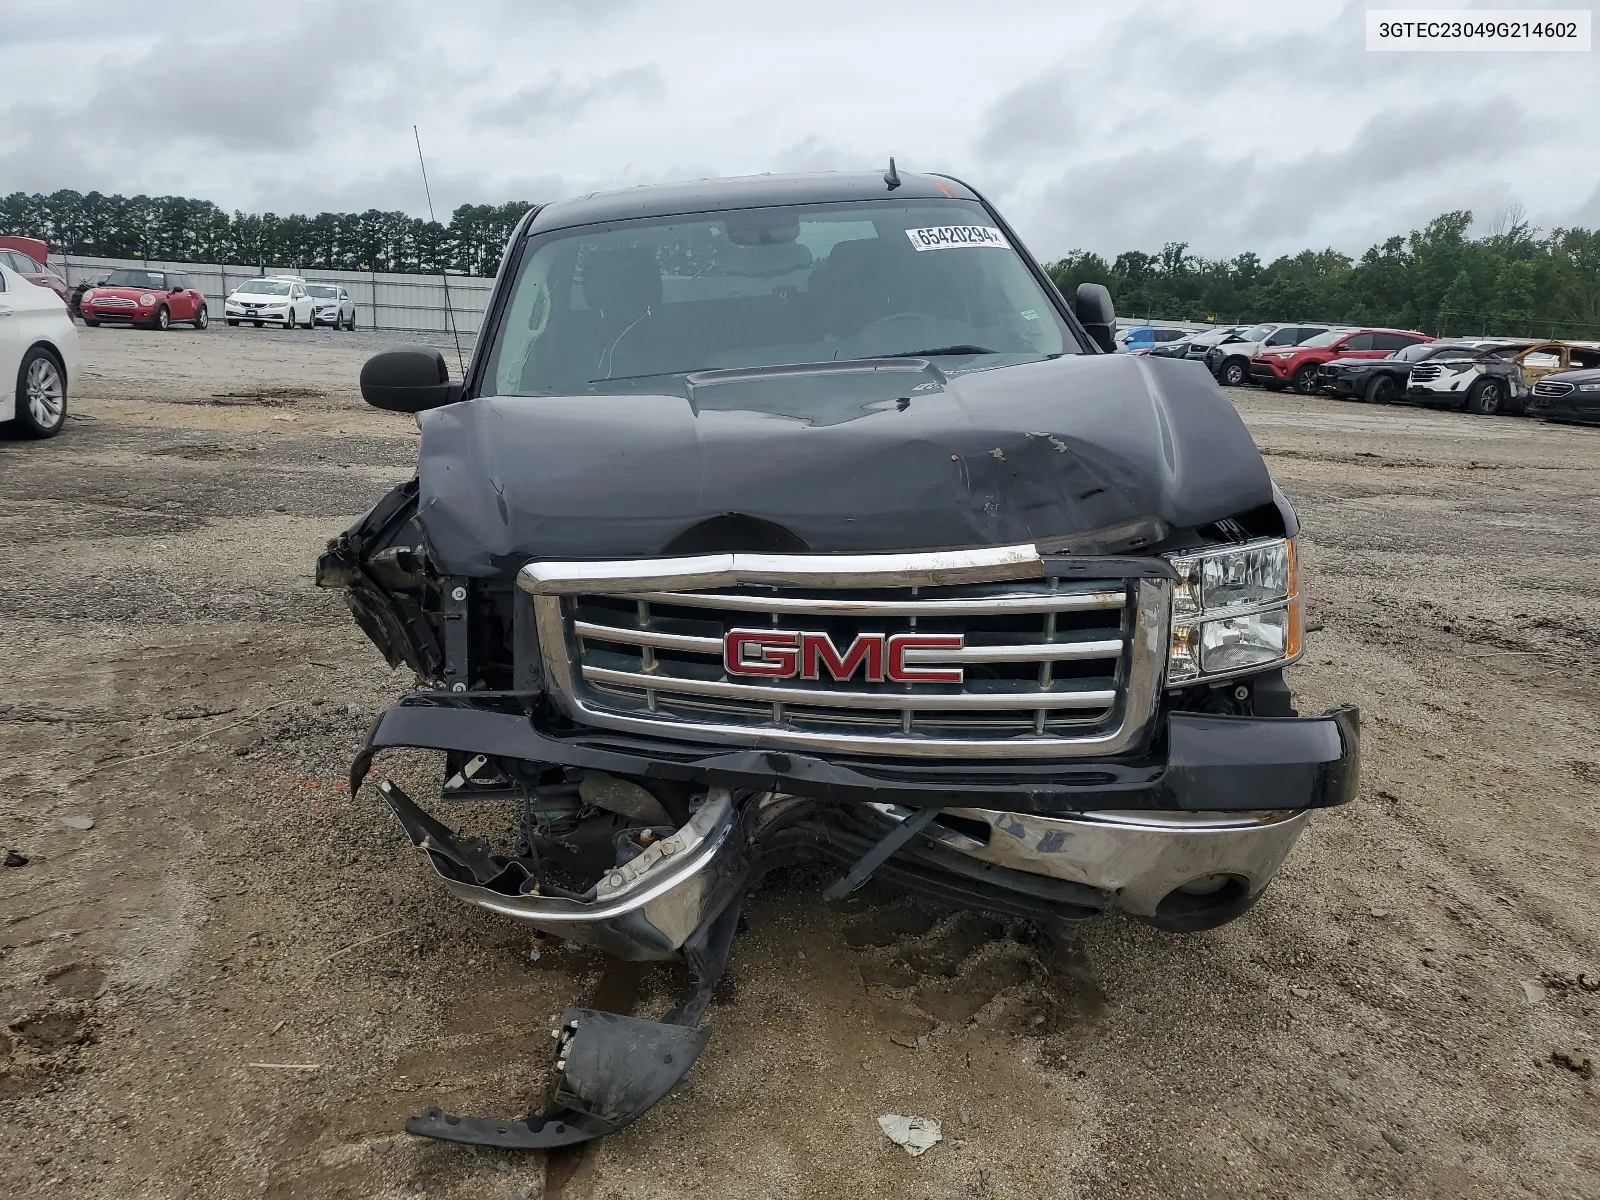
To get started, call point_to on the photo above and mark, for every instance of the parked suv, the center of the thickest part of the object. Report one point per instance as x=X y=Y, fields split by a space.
x=1496 y=378
x=1229 y=359
x=332 y=305
x=1382 y=380
x=147 y=297
x=1296 y=366
x=801 y=518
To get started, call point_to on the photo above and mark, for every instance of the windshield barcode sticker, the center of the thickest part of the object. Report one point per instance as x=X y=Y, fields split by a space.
x=950 y=237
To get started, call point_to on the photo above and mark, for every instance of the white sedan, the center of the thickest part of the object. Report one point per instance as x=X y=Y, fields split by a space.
x=38 y=355
x=275 y=300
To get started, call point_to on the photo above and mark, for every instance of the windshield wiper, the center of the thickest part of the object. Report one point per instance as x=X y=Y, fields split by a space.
x=962 y=348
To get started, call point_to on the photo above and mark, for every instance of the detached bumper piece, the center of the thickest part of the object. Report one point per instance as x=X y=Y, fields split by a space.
x=611 y=1068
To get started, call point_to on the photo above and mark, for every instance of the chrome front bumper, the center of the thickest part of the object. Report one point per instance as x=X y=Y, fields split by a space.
x=1176 y=870
x=645 y=909
x=1145 y=863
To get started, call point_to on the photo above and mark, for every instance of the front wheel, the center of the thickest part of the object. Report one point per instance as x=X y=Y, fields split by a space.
x=91 y=323
x=41 y=395
x=162 y=321
x=352 y=325
x=1382 y=390
x=1486 y=398
x=201 y=317
x=1305 y=379
x=288 y=321
x=1233 y=373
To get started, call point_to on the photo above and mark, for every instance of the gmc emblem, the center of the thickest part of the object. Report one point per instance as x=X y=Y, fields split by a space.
x=803 y=654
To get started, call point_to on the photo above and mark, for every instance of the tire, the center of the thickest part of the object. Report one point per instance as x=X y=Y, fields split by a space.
x=162 y=321
x=352 y=326
x=1381 y=390
x=1235 y=373
x=233 y=322
x=1305 y=380
x=1487 y=398
x=202 y=318
x=41 y=395
x=288 y=321
x=91 y=323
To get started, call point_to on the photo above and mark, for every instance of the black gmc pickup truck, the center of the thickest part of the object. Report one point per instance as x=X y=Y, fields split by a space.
x=801 y=518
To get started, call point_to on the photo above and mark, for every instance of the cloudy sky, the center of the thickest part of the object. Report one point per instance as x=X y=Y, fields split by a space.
x=1228 y=124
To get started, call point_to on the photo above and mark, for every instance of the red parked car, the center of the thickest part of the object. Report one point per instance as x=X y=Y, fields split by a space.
x=145 y=297
x=1296 y=366
x=27 y=256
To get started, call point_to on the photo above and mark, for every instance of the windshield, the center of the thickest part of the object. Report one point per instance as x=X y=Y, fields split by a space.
x=322 y=291
x=265 y=287
x=1257 y=333
x=130 y=278
x=1326 y=339
x=769 y=287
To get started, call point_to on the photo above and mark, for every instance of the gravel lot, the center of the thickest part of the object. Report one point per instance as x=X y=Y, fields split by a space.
x=1402 y=1016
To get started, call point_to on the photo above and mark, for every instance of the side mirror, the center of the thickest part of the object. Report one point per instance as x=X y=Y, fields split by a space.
x=176 y=288
x=1092 y=304
x=408 y=379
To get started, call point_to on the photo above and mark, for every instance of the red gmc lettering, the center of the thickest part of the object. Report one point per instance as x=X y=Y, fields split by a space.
x=899 y=672
x=784 y=654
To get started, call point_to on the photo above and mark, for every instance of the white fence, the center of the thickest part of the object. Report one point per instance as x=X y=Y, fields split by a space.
x=383 y=300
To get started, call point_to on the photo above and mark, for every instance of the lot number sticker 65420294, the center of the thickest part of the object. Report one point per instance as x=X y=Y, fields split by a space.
x=951 y=237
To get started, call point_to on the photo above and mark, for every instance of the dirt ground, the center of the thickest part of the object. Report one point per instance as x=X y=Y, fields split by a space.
x=1406 y=1014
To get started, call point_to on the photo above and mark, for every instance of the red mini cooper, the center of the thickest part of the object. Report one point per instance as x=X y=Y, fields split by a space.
x=147 y=298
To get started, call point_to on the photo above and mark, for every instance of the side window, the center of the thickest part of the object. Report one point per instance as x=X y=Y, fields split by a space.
x=1406 y=339
x=1361 y=341
x=1287 y=336
x=1391 y=341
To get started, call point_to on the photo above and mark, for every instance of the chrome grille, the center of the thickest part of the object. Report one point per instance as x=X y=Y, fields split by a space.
x=1051 y=667
x=1546 y=387
x=1423 y=373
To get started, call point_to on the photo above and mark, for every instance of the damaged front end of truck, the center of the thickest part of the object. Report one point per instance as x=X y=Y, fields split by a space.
x=1005 y=631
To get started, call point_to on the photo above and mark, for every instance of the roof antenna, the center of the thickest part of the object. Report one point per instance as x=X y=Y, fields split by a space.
x=444 y=273
x=891 y=176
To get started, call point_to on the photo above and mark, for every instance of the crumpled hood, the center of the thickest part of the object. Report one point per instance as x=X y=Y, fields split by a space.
x=891 y=455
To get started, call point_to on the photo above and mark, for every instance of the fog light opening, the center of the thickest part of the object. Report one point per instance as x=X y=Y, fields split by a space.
x=1202 y=903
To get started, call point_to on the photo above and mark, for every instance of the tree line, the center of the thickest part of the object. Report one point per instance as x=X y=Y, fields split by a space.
x=1511 y=280
x=180 y=229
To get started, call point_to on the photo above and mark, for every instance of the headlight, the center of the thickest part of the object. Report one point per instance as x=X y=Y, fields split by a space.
x=147 y=300
x=1589 y=387
x=1234 y=609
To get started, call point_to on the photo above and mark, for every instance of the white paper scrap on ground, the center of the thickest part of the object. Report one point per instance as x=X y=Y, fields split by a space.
x=916 y=1134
